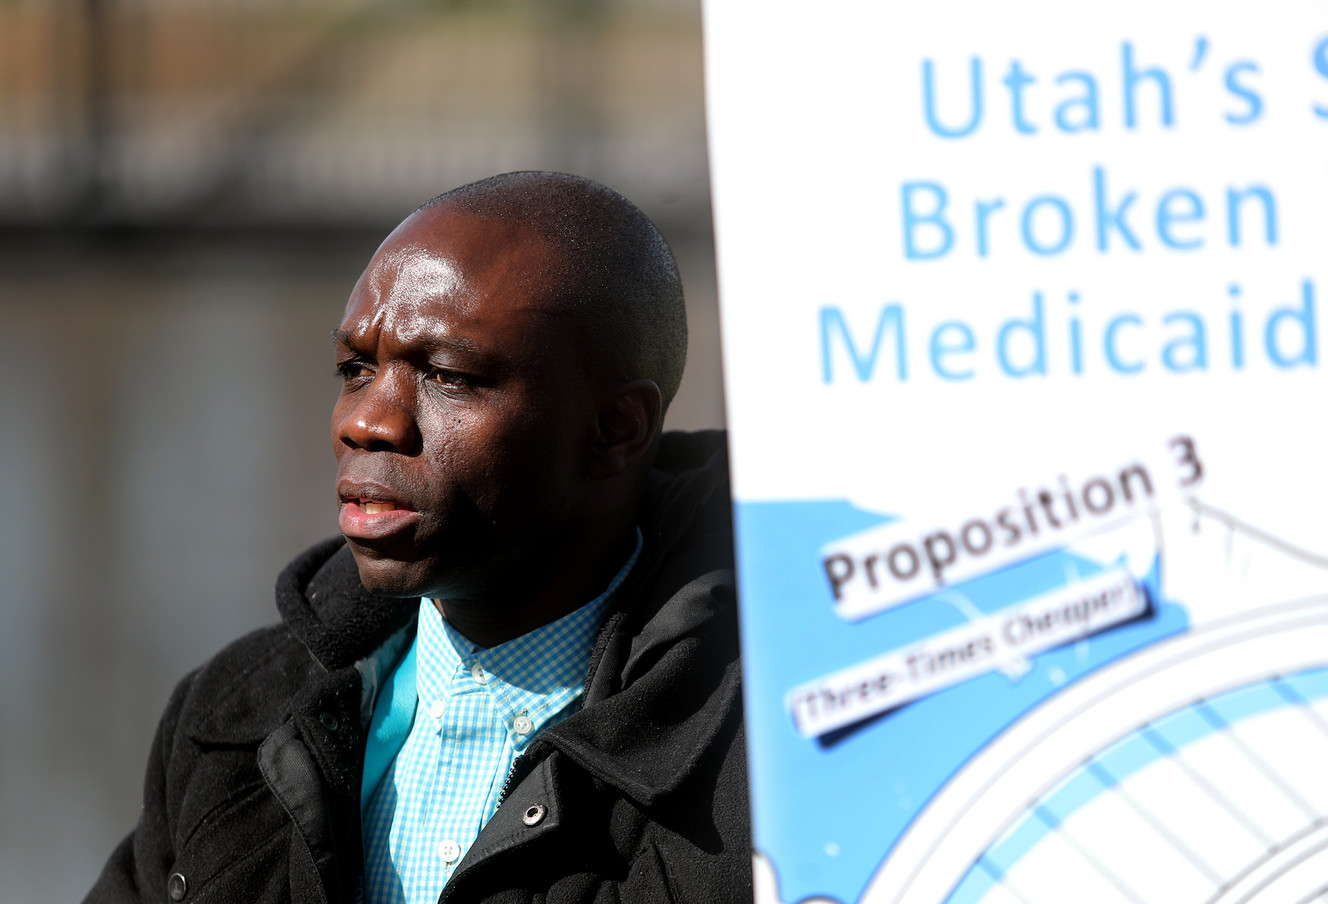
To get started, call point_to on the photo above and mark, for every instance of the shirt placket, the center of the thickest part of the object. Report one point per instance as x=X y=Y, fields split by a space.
x=421 y=877
x=470 y=758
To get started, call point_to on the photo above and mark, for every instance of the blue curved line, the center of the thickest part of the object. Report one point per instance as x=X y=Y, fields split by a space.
x=1132 y=753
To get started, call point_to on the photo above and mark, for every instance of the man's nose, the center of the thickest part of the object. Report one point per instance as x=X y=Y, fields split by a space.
x=379 y=418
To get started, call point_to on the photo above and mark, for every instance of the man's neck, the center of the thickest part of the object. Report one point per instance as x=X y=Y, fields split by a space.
x=491 y=619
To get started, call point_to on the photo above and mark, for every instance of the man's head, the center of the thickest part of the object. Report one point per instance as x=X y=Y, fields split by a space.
x=507 y=358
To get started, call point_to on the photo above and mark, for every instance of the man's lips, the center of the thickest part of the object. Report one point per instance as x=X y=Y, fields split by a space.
x=369 y=507
x=372 y=512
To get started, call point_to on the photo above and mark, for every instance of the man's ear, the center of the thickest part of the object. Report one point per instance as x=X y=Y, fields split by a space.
x=626 y=425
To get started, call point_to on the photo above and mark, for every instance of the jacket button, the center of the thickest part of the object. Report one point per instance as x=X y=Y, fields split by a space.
x=533 y=815
x=176 y=886
x=329 y=721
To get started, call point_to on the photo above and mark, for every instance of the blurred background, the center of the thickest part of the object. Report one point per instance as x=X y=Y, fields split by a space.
x=188 y=191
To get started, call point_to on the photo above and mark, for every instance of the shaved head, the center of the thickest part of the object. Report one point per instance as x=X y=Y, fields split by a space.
x=506 y=359
x=613 y=269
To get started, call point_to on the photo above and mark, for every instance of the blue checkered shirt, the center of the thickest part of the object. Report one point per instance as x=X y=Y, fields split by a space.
x=474 y=711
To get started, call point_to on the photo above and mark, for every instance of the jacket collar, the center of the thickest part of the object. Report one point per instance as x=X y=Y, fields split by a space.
x=664 y=680
x=322 y=601
x=649 y=739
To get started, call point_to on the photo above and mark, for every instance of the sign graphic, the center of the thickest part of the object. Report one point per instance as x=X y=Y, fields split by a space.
x=1023 y=347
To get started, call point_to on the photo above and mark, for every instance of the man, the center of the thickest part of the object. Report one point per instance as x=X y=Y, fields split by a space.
x=516 y=678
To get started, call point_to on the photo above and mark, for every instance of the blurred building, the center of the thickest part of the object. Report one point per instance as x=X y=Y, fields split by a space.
x=188 y=190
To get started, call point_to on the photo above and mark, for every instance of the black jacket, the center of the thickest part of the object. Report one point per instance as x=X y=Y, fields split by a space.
x=252 y=789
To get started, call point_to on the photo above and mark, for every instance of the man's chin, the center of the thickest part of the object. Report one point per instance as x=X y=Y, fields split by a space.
x=385 y=576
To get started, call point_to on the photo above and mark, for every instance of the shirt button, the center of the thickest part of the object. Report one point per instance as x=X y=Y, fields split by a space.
x=437 y=708
x=477 y=672
x=522 y=725
x=449 y=850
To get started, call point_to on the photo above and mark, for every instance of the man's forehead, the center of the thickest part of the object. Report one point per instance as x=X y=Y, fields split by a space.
x=414 y=271
x=473 y=242
x=472 y=262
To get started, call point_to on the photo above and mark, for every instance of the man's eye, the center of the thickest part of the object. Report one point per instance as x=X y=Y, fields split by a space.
x=353 y=370
x=449 y=378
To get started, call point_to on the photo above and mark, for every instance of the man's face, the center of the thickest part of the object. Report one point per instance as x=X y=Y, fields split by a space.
x=465 y=415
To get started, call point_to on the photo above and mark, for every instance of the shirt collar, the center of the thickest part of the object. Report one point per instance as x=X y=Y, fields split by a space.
x=394 y=709
x=535 y=675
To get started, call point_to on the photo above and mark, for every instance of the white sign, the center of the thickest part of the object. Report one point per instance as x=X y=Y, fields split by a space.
x=1023 y=321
